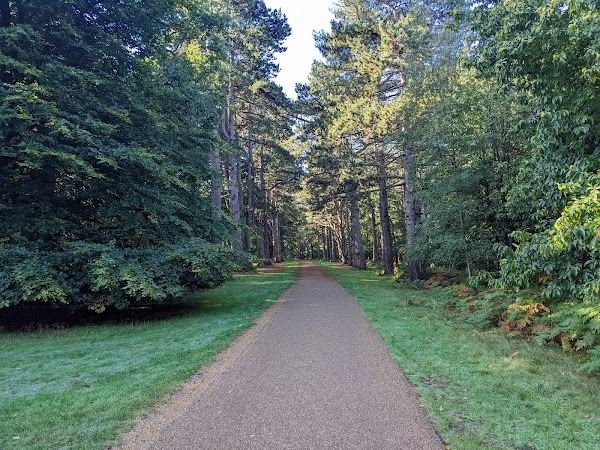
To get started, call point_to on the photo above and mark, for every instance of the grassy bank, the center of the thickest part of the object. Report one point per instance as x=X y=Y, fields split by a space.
x=482 y=389
x=74 y=388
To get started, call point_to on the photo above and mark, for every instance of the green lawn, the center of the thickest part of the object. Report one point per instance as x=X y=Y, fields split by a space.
x=482 y=389
x=74 y=388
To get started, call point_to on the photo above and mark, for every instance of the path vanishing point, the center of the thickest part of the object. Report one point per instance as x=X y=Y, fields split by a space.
x=312 y=374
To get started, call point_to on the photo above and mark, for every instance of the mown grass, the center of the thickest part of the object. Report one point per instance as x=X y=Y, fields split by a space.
x=483 y=389
x=75 y=388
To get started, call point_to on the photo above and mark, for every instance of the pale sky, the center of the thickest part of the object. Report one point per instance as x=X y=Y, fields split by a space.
x=304 y=16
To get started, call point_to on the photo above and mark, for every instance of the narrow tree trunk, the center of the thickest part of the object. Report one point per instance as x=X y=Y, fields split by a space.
x=4 y=13
x=341 y=251
x=215 y=188
x=320 y=252
x=331 y=244
x=234 y=201
x=341 y=239
x=374 y=258
x=358 y=257
x=277 y=256
x=268 y=227
x=412 y=212
x=260 y=248
x=249 y=192
x=349 y=240
x=263 y=240
x=233 y=164
x=384 y=216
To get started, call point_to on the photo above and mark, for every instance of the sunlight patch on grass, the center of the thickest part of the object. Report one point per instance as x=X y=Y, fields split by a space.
x=509 y=364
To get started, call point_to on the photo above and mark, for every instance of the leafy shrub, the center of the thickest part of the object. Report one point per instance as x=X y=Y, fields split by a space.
x=577 y=327
x=379 y=269
x=480 y=310
x=399 y=274
x=96 y=275
x=522 y=317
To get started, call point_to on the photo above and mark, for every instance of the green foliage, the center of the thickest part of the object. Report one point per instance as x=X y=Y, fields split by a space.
x=107 y=112
x=564 y=264
x=96 y=276
x=545 y=50
x=466 y=150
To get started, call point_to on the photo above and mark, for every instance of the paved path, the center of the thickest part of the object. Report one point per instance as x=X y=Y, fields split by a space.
x=314 y=373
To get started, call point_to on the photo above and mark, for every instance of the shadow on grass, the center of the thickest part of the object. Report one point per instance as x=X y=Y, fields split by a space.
x=28 y=318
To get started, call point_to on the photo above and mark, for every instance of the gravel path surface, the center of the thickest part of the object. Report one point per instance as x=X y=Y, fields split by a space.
x=313 y=373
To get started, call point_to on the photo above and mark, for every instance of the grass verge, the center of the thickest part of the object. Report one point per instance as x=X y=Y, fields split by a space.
x=483 y=389
x=75 y=388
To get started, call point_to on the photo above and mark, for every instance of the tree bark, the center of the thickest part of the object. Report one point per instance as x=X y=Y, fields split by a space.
x=374 y=257
x=4 y=13
x=412 y=212
x=331 y=244
x=249 y=193
x=358 y=257
x=341 y=237
x=234 y=201
x=350 y=241
x=384 y=216
x=262 y=242
x=277 y=256
x=215 y=188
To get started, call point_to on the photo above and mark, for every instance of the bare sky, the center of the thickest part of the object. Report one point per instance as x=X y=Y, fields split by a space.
x=304 y=16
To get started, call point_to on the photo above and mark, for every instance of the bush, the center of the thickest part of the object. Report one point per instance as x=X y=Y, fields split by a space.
x=96 y=275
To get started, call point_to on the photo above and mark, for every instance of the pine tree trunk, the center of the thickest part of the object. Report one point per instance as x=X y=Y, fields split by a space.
x=412 y=212
x=262 y=242
x=350 y=241
x=260 y=248
x=277 y=256
x=384 y=217
x=232 y=171
x=341 y=240
x=358 y=257
x=320 y=253
x=234 y=201
x=267 y=223
x=373 y=233
x=215 y=187
x=249 y=193
x=332 y=251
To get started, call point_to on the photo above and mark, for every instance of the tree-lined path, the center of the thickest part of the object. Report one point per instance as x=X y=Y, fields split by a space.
x=315 y=375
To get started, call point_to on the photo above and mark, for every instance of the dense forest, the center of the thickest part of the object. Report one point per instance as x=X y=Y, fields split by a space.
x=146 y=152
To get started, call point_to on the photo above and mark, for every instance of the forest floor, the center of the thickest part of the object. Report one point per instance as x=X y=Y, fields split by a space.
x=313 y=373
